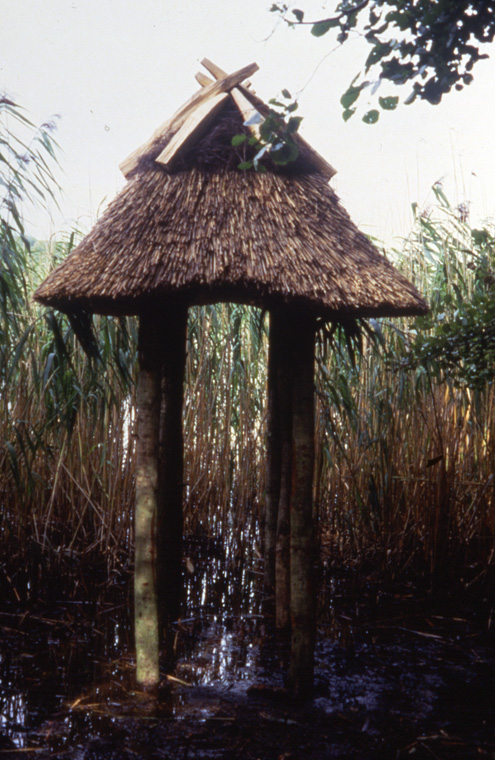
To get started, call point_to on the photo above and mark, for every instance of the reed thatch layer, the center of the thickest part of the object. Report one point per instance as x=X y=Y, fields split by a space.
x=201 y=237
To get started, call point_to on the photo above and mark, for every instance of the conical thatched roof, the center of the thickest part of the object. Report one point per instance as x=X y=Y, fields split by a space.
x=190 y=226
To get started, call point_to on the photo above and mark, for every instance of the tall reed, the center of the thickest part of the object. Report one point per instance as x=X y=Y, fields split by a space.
x=404 y=469
x=406 y=448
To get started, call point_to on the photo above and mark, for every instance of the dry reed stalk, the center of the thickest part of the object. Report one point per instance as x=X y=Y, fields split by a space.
x=422 y=457
x=379 y=433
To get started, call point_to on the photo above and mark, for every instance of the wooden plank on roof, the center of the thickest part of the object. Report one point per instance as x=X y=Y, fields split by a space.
x=192 y=129
x=248 y=111
x=246 y=108
x=173 y=125
x=217 y=72
x=214 y=70
x=244 y=105
x=203 y=80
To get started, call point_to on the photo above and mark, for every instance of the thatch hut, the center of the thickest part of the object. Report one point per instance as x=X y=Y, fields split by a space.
x=190 y=227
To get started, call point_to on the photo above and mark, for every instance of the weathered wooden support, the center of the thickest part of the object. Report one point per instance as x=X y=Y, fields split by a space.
x=146 y=626
x=282 y=545
x=273 y=459
x=172 y=326
x=303 y=602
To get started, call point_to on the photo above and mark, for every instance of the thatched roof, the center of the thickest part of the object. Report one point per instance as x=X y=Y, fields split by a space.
x=199 y=230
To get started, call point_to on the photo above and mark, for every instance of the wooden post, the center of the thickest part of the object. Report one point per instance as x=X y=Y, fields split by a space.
x=273 y=459
x=146 y=628
x=303 y=606
x=282 y=545
x=172 y=327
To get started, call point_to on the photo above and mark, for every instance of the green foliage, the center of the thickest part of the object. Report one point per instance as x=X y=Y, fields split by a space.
x=432 y=46
x=371 y=117
x=275 y=136
x=322 y=27
x=456 y=340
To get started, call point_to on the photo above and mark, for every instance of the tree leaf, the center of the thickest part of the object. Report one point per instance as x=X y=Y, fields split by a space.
x=389 y=103
x=284 y=153
x=378 y=51
x=245 y=165
x=346 y=115
x=350 y=96
x=298 y=14
x=322 y=27
x=371 y=117
x=293 y=124
x=238 y=140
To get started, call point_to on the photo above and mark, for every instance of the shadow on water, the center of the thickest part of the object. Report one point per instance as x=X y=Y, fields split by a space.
x=397 y=675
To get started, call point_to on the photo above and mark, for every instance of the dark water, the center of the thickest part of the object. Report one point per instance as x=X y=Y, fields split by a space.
x=397 y=675
x=75 y=659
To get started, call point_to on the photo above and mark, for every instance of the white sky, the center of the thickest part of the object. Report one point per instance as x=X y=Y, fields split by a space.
x=116 y=69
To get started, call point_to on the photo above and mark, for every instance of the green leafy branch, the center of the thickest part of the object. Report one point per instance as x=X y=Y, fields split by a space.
x=433 y=46
x=456 y=340
x=274 y=138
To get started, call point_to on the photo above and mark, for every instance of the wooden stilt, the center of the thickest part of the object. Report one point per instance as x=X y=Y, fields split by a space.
x=303 y=622
x=273 y=459
x=145 y=601
x=282 y=546
x=172 y=325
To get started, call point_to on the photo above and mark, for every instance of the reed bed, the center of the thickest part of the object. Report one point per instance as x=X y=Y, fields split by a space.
x=404 y=470
x=405 y=478
x=68 y=426
x=404 y=475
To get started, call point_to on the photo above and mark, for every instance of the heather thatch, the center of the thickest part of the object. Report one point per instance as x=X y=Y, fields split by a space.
x=206 y=231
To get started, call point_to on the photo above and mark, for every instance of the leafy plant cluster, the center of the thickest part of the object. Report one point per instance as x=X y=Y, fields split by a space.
x=431 y=45
x=273 y=136
x=456 y=340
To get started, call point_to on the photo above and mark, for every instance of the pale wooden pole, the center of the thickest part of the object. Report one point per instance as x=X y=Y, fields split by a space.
x=173 y=330
x=273 y=459
x=303 y=602
x=282 y=544
x=146 y=626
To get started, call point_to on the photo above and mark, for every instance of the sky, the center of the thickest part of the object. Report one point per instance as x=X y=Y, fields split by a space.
x=114 y=70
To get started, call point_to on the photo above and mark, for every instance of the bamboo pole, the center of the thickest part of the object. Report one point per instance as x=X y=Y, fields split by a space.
x=303 y=622
x=172 y=325
x=146 y=627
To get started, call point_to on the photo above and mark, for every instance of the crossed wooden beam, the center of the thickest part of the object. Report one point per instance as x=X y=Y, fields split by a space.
x=192 y=119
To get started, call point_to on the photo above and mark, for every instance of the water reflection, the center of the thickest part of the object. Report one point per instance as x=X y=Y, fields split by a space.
x=69 y=672
x=227 y=658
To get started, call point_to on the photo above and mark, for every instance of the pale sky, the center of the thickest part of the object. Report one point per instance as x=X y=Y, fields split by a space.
x=116 y=69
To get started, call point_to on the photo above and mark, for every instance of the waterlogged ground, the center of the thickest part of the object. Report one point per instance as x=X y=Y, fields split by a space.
x=398 y=675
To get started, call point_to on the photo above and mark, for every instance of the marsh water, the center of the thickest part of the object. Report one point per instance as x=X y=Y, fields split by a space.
x=399 y=673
